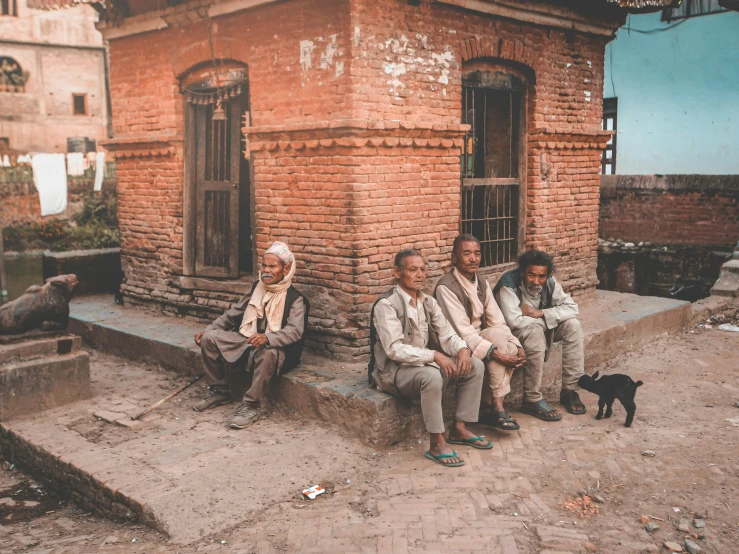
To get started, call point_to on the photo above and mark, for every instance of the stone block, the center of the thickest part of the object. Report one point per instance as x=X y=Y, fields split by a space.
x=35 y=385
x=728 y=280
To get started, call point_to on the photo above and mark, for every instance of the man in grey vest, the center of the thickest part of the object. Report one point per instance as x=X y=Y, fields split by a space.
x=410 y=339
x=468 y=304
x=264 y=332
x=539 y=312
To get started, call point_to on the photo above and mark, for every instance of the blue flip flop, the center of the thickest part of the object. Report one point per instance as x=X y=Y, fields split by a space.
x=471 y=442
x=440 y=457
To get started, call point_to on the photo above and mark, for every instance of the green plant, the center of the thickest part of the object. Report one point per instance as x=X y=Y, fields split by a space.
x=99 y=208
x=50 y=230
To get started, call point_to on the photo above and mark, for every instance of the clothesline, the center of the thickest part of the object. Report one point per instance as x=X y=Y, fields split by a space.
x=50 y=173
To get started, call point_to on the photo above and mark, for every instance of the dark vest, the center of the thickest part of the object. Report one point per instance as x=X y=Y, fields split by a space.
x=390 y=366
x=450 y=281
x=295 y=350
x=513 y=280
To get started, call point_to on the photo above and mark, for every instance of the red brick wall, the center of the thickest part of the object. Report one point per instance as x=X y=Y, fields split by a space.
x=356 y=154
x=697 y=210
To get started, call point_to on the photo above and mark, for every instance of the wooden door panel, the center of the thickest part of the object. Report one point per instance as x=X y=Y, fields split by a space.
x=217 y=192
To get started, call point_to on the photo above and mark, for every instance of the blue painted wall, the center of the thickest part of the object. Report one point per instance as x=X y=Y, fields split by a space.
x=678 y=95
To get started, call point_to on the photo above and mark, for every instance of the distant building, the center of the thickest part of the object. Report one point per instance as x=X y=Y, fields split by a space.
x=671 y=91
x=52 y=76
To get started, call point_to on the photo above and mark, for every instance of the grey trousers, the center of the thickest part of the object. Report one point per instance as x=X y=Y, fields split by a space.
x=534 y=344
x=427 y=382
x=264 y=362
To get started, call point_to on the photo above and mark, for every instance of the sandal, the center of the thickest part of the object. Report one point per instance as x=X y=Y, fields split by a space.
x=440 y=457
x=571 y=400
x=540 y=409
x=500 y=420
x=471 y=442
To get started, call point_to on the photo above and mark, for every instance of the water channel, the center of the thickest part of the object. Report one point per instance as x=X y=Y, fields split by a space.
x=22 y=271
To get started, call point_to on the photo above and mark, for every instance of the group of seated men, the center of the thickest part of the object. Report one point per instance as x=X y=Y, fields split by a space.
x=465 y=331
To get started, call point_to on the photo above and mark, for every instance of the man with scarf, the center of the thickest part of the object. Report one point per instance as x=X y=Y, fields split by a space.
x=264 y=331
x=539 y=312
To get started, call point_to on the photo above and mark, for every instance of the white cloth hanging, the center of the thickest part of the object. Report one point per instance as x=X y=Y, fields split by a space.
x=50 y=178
x=75 y=164
x=6 y=161
x=23 y=159
x=99 y=171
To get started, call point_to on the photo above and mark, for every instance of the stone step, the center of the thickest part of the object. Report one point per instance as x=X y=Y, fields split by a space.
x=39 y=347
x=33 y=385
x=337 y=392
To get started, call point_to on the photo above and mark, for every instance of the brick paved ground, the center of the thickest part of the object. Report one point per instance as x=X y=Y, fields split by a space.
x=509 y=500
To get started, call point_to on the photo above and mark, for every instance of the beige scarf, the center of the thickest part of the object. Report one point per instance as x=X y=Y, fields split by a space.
x=269 y=300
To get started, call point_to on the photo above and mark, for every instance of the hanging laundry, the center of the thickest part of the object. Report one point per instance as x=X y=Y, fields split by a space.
x=23 y=159
x=90 y=160
x=99 y=171
x=75 y=164
x=6 y=161
x=50 y=178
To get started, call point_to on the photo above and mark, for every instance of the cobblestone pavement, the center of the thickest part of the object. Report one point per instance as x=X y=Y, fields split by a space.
x=510 y=500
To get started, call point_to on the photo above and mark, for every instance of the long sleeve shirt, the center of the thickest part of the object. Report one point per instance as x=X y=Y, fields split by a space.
x=391 y=335
x=469 y=329
x=563 y=307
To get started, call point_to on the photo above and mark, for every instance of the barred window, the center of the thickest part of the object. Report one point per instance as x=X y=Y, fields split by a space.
x=492 y=104
x=610 y=123
x=692 y=8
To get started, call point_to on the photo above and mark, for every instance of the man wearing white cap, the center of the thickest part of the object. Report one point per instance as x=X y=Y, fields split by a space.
x=265 y=331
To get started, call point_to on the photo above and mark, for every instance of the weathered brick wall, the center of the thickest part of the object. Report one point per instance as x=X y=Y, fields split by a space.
x=697 y=210
x=355 y=140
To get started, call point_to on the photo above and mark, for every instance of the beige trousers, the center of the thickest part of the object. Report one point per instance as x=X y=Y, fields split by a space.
x=497 y=377
x=427 y=382
x=534 y=343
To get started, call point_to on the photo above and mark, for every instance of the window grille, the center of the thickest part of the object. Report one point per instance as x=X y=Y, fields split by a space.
x=491 y=185
x=692 y=8
x=610 y=123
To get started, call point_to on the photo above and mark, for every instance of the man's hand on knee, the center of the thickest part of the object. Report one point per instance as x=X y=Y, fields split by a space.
x=509 y=360
x=447 y=366
x=199 y=337
x=464 y=362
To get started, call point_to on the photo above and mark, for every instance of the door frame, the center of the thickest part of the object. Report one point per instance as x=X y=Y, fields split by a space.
x=189 y=196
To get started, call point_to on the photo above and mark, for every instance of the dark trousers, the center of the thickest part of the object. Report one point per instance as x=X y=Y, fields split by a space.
x=263 y=363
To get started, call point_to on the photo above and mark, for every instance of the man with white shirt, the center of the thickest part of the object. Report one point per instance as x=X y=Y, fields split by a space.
x=410 y=341
x=468 y=304
x=539 y=312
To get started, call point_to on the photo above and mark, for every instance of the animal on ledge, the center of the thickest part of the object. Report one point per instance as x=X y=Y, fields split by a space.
x=44 y=308
x=610 y=387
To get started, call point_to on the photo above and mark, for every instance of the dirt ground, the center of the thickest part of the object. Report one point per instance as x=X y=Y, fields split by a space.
x=579 y=485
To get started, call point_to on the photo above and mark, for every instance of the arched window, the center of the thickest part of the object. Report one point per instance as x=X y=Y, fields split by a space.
x=493 y=105
x=12 y=78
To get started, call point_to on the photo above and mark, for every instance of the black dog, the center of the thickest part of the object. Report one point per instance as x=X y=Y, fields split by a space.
x=610 y=387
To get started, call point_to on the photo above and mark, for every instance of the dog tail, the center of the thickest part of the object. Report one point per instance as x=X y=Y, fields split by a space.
x=639 y=383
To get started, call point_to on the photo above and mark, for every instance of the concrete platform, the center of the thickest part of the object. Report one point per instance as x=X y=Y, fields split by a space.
x=186 y=474
x=337 y=392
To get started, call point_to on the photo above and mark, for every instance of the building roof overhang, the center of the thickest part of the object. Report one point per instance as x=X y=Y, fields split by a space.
x=119 y=18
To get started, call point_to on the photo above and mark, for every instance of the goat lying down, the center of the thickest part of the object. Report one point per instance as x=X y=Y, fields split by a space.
x=610 y=387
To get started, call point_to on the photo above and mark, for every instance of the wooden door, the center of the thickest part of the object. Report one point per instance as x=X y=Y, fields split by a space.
x=217 y=179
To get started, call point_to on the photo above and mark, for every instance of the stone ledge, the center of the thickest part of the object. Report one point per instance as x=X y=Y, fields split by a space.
x=337 y=392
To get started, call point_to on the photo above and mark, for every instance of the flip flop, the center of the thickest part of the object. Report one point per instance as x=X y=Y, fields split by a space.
x=569 y=399
x=540 y=409
x=471 y=442
x=440 y=457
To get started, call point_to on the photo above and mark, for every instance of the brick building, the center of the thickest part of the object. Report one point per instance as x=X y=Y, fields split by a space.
x=351 y=129
x=52 y=76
